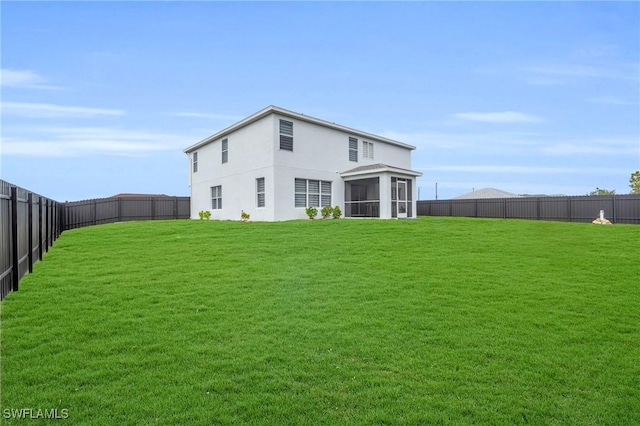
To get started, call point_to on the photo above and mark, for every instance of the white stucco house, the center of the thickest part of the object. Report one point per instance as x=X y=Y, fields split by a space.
x=275 y=163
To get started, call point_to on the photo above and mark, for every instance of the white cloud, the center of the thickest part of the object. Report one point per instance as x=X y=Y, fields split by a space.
x=26 y=79
x=90 y=141
x=519 y=169
x=219 y=117
x=557 y=74
x=612 y=100
x=498 y=117
x=518 y=144
x=595 y=146
x=38 y=110
x=568 y=71
x=485 y=142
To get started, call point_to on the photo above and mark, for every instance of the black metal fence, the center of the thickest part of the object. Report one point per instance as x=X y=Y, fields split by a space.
x=617 y=208
x=119 y=209
x=29 y=224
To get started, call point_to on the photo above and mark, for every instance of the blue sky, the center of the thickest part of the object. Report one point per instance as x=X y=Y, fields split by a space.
x=101 y=98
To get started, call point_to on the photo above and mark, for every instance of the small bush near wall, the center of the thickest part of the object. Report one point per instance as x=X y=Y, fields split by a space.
x=312 y=212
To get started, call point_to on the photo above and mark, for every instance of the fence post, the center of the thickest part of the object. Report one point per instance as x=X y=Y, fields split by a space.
x=46 y=220
x=30 y=209
x=175 y=207
x=56 y=220
x=538 y=208
x=153 y=209
x=95 y=213
x=15 y=275
x=63 y=217
x=40 y=225
x=570 y=212
x=614 y=219
x=119 y=209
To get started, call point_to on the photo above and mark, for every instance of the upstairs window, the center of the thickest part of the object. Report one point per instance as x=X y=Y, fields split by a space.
x=353 y=149
x=225 y=150
x=367 y=149
x=286 y=135
x=194 y=159
x=260 y=193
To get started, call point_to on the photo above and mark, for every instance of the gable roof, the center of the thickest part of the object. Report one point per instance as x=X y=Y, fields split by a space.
x=272 y=109
x=378 y=168
x=486 y=193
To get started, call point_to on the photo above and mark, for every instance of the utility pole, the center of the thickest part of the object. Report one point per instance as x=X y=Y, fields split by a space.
x=436 y=190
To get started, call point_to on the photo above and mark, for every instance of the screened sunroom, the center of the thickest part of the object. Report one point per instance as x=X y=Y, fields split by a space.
x=379 y=191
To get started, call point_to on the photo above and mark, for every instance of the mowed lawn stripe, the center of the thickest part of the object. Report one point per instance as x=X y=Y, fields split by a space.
x=436 y=320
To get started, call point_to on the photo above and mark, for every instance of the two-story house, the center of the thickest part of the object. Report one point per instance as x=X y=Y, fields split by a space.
x=275 y=163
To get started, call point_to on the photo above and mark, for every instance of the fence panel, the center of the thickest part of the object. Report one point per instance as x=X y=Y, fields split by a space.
x=585 y=209
x=106 y=211
x=36 y=225
x=627 y=209
x=555 y=208
x=6 y=254
x=491 y=207
x=23 y=232
x=524 y=208
x=119 y=209
x=438 y=207
x=29 y=224
x=617 y=208
x=464 y=208
x=136 y=209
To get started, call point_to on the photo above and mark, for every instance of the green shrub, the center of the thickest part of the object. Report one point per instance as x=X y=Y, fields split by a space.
x=336 y=212
x=204 y=214
x=244 y=216
x=326 y=211
x=312 y=212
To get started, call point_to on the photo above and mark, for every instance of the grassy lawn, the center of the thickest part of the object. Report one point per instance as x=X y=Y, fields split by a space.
x=433 y=321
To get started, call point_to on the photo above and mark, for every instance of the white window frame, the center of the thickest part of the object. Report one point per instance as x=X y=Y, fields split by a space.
x=216 y=197
x=225 y=150
x=367 y=150
x=314 y=192
x=260 y=193
x=194 y=158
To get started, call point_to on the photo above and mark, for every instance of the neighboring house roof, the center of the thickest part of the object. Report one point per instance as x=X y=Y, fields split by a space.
x=378 y=168
x=272 y=109
x=129 y=195
x=486 y=193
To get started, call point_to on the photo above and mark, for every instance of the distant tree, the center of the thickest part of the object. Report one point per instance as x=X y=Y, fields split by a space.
x=634 y=182
x=600 y=191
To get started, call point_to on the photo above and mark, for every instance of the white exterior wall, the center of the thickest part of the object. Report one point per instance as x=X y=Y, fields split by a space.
x=250 y=157
x=322 y=148
x=322 y=153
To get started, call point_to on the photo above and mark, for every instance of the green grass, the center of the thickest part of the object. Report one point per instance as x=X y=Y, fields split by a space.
x=433 y=321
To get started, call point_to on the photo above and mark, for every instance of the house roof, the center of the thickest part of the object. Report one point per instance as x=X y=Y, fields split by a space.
x=378 y=168
x=272 y=109
x=130 y=195
x=486 y=193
